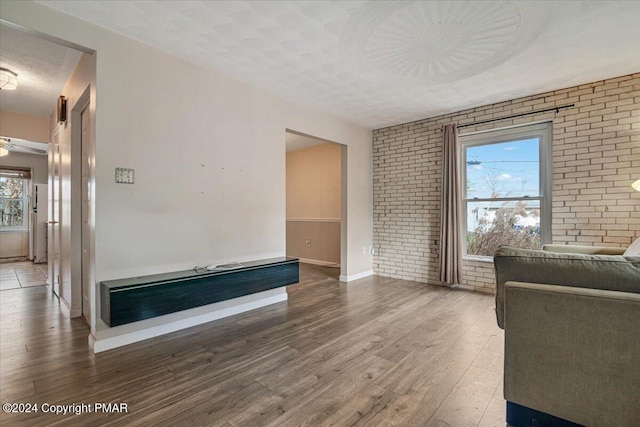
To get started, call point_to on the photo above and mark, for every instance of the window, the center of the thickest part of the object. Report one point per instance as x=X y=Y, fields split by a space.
x=13 y=201
x=507 y=188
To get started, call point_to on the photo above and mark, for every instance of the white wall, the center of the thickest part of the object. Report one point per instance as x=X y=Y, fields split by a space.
x=24 y=126
x=208 y=154
x=31 y=128
x=313 y=203
x=14 y=244
x=37 y=164
x=313 y=182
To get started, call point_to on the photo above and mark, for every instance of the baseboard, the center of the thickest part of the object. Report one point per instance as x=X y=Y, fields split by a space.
x=13 y=259
x=318 y=262
x=65 y=306
x=92 y=342
x=77 y=312
x=352 y=277
x=129 y=338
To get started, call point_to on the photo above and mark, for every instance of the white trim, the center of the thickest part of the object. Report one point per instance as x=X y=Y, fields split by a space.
x=356 y=276
x=155 y=331
x=313 y=219
x=318 y=262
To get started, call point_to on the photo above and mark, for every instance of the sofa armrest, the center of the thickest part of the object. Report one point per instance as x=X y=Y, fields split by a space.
x=573 y=352
x=577 y=249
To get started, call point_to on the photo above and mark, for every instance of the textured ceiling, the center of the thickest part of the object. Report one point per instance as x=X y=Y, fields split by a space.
x=43 y=69
x=378 y=63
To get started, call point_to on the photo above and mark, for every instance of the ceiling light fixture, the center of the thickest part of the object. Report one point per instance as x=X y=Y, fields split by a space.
x=8 y=79
x=3 y=151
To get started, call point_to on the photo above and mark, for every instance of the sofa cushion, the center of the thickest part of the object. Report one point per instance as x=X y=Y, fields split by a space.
x=634 y=249
x=609 y=272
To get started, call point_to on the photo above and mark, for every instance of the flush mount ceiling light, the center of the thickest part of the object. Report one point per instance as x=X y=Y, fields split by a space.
x=3 y=151
x=8 y=79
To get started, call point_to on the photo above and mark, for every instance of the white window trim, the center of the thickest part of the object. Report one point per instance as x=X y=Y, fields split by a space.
x=542 y=130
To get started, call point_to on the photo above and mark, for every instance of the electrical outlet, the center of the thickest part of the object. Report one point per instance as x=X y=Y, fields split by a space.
x=307 y=243
x=124 y=176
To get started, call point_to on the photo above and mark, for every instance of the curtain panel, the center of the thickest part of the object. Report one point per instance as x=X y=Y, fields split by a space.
x=451 y=209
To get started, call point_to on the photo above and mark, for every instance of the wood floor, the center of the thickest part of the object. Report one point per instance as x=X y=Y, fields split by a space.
x=374 y=352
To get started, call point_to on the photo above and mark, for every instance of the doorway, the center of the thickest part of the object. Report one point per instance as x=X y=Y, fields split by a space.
x=65 y=76
x=315 y=194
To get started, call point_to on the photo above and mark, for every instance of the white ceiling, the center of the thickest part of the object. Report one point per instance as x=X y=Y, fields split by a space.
x=43 y=69
x=379 y=63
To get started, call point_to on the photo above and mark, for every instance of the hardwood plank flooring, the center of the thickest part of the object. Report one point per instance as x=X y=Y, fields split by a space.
x=374 y=352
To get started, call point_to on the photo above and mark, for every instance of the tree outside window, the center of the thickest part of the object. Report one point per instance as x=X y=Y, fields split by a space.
x=13 y=203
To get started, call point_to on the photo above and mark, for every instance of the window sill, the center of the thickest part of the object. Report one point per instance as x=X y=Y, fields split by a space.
x=14 y=230
x=478 y=258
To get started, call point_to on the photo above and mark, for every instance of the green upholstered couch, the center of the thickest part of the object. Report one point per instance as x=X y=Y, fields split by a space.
x=571 y=317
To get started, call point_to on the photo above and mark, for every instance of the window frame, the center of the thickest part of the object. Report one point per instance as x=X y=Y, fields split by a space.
x=541 y=130
x=25 y=208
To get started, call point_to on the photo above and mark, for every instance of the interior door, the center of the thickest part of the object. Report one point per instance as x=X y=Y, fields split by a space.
x=86 y=203
x=53 y=231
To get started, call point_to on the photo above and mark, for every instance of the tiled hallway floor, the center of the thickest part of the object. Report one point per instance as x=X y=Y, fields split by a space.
x=23 y=274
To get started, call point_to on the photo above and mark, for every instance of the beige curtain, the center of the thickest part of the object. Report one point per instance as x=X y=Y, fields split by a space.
x=451 y=210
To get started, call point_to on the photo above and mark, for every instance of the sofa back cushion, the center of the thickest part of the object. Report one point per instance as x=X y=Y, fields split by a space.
x=609 y=272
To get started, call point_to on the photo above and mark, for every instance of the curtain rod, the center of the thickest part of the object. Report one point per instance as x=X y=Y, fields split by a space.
x=556 y=109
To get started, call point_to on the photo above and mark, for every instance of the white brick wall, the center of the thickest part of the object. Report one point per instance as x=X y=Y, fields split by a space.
x=596 y=156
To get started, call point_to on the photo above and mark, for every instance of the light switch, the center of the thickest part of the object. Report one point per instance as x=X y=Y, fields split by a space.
x=124 y=176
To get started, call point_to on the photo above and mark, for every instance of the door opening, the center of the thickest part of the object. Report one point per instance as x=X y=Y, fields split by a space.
x=314 y=200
